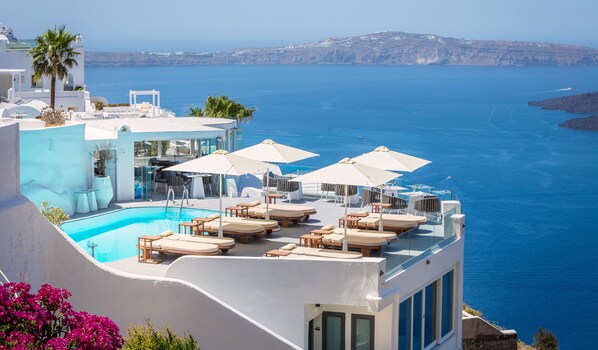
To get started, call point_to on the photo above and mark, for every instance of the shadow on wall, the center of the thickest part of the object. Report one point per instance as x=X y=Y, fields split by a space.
x=54 y=164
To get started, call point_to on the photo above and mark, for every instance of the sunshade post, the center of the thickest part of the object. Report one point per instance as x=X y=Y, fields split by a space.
x=380 y=224
x=345 y=243
x=267 y=193
x=220 y=233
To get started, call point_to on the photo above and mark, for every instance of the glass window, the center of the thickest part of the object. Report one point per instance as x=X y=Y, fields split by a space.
x=362 y=332
x=430 y=312
x=447 y=303
x=405 y=325
x=333 y=337
x=417 y=320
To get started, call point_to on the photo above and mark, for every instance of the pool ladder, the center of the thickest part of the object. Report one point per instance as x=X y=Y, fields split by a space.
x=184 y=196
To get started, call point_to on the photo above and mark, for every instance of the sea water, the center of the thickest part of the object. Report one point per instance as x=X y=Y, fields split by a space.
x=528 y=187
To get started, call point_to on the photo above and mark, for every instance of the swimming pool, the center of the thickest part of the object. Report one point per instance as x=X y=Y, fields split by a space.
x=115 y=233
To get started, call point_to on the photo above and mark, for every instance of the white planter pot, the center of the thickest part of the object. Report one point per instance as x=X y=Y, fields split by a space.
x=105 y=193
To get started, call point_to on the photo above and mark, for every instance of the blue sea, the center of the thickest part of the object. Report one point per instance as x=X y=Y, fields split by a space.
x=529 y=188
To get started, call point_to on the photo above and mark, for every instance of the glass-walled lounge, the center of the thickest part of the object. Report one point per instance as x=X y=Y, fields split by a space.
x=153 y=155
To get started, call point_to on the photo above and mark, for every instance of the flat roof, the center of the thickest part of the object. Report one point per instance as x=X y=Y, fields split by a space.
x=105 y=129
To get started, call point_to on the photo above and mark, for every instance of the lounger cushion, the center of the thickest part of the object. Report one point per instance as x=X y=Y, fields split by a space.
x=213 y=216
x=276 y=213
x=337 y=239
x=327 y=228
x=232 y=228
x=166 y=233
x=188 y=247
x=387 y=235
x=289 y=246
x=222 y=243
x=269 y=224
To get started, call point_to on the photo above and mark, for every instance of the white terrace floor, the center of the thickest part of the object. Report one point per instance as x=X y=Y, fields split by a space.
x=408 y=245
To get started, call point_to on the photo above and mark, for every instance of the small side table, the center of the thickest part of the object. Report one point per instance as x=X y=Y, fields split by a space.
x=272 y=197
x=193 y=227
x=238 y=210
x=82 y=202
x=321 y=232
x=145 y=247
x=351 y=222
x=376 y=206
x=309 y=240
x=277 y=253
x=202 y=222
x=91 y=197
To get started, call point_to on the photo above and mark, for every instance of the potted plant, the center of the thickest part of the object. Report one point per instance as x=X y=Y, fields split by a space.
x=101 y=181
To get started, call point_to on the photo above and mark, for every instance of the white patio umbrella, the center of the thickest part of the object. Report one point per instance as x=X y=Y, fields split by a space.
x=383 y=158
x=222 y=163
x=349 y=173
x=272 y=152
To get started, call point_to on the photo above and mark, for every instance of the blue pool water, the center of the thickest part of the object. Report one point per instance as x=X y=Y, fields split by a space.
x=116 y=233
x=528 y=187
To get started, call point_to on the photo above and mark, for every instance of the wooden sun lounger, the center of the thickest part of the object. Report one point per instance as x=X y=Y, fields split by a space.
x=283 y=216
x=224 y=243
x=243 y=231
x=149 y=244
x=268 y=225
x=307 y=210
x=365 y=244
x=297 y=252
x=392 y=222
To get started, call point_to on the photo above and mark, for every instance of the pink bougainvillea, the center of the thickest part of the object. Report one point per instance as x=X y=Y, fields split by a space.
x=47 y=321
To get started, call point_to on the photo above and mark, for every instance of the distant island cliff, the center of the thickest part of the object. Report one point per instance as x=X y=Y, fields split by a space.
x=386 y=48
x=578 y=104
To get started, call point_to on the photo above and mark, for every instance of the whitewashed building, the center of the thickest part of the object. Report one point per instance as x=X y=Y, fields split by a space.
x=18 y=88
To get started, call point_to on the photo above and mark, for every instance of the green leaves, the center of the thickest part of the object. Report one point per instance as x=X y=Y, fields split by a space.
x=147 y=338
x=55 y=215
x=53 y=56
x=223 y=107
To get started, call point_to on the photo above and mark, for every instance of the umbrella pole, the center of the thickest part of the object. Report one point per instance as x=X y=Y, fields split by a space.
x=220 y=235
x=345 y=243
x=267 y=193
x=380 y=224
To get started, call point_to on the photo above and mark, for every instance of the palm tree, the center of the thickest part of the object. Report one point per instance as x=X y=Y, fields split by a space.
x=53 y=56
x=223 y=107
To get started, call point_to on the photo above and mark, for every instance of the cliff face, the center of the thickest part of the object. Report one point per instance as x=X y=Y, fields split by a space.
x=578 y=104
x=390 y=48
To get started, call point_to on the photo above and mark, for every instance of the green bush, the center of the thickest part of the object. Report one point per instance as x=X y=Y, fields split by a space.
x=545 y=340
x=147 y=338
x=55 y=215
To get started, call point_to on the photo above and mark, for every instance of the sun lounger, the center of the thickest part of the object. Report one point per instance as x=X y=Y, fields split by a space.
x=224 y=243
x=307 y=210
x=243 y=231
x=296 y=252
x=269 y=225
x=328 y=229
x=392 y=222
x=363 y=243
x=170 y=246
x=280 y=215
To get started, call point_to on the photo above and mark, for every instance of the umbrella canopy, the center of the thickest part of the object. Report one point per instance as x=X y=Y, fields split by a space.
x=270 y=151
x=349 y=173
x=222 y=163
x=384 y=158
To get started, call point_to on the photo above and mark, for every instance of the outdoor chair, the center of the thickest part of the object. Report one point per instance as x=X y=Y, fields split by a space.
x=429 y=205
x=339 y=193
x=396 y=203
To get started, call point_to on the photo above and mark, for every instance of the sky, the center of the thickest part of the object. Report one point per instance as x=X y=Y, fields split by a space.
x=176 y=25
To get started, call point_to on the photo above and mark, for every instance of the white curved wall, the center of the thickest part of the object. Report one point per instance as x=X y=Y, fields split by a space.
x=54 y=164
x=33 y=250
x=282 y=287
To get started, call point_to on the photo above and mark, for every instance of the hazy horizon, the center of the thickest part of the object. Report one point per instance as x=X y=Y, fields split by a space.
x=215 y=26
